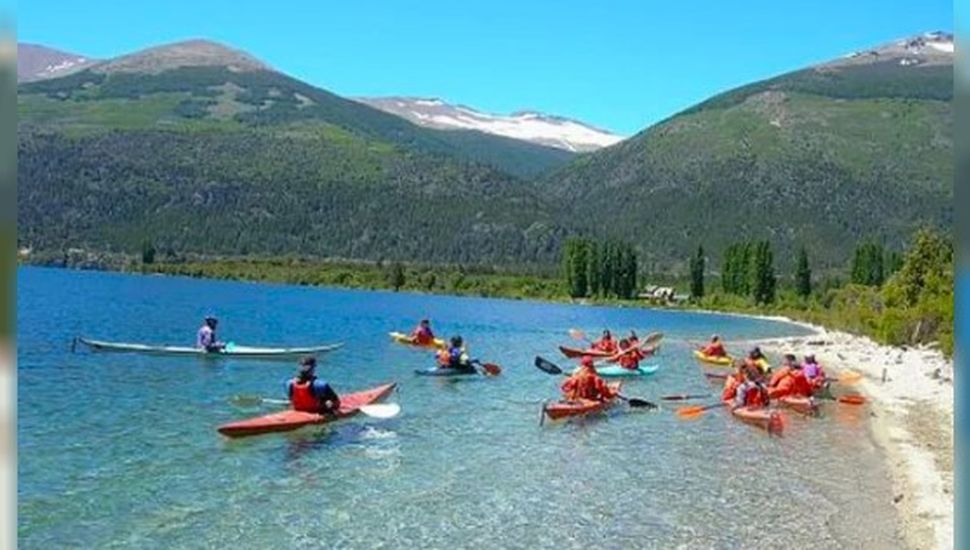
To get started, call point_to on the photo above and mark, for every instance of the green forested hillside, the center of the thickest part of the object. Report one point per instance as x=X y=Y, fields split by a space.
x=817 y=157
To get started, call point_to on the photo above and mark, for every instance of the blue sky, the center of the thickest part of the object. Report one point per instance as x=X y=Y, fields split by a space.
x=616 y=64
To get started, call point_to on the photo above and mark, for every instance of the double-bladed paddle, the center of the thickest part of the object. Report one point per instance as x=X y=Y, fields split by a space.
x=684 y=397
x=375 y=410
x=549 y=367
x=491 y=369
x=696 y=411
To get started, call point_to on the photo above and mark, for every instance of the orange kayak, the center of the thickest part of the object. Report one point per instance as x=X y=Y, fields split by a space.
x=573 y=353
x=766 y=419
x=580 y=407
x=285 y=421
x=800 y=404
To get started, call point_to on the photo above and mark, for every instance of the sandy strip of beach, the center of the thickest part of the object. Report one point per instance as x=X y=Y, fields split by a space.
x=911 y=406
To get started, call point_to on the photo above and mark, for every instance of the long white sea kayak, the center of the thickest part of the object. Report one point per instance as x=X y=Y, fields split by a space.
x=231 y=350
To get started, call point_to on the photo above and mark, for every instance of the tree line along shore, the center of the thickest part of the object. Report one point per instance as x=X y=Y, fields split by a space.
x=894 y=297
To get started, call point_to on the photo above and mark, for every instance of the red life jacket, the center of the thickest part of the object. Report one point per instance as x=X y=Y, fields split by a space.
x=302 y=398
x=756 y=397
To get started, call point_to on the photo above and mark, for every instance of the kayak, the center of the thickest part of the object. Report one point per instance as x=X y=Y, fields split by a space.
x=230 y=350
x=581 y=407
x=726 y=361
x=574 y=353
x=765 y=419
x=408 y=340
x=619 y=372
x=446 y=371
x=289 y=420
x=800 y=404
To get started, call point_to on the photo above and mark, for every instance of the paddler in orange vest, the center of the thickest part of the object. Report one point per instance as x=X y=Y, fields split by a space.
x=308 y=393
x=455 y=356
x=751 y=392
x=733 y=381
x=789 y=380
x=630 y=360
x=605 y=343
x=715 y=348
x=422 y=334
x=585 y=383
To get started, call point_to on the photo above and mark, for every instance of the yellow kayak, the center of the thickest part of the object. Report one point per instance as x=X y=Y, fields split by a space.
x=406 y=339
x=725 y=361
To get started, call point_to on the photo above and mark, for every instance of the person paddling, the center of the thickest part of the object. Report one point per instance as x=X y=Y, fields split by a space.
x=422 y=334
x=758 y=360
x=814 y=373
x=206 y=338
x=307 y=393
x=605 y=343
x=715 y=348
x=751 y=393
x=631 y=359
x=585 y=383
x=455 y=356
x=789 y=380
x=733 y=381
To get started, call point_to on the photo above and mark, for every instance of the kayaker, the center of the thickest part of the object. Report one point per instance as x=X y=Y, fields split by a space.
x=758 y=360
x=814 y=372
x=605 y=343
x=585 y=383
x=789 y=380
x=715 y=348
x=206 y=338
x=308 y=393
x=733 y=380
x=422 y=334
x=629 y=360
x=455 y=356
x=751 y=392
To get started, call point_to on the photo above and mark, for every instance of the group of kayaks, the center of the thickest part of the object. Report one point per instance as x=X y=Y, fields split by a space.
x=352 y=404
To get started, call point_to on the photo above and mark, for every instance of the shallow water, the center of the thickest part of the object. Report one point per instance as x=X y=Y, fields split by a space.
x=118 y=449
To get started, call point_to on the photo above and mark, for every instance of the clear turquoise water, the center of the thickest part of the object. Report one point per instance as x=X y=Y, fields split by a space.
x=118 y=450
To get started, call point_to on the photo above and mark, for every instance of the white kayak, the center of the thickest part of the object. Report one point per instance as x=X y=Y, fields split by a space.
x=231 y=350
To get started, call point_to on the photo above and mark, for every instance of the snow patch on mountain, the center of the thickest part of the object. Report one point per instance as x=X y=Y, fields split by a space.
x=552 y=131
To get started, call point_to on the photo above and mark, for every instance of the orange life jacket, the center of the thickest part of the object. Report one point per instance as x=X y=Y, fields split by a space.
x=302 y=398
x=731 y=384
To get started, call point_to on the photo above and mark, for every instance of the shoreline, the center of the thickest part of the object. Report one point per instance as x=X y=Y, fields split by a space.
x=910 y=394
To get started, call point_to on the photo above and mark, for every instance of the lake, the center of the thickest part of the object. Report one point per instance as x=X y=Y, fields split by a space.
x=121 y=449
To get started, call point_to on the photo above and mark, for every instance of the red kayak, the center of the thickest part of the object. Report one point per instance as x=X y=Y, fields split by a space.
x=766 y=419
x=574 y=353
x=285 y=421
x=580 y=407
x=800 y=404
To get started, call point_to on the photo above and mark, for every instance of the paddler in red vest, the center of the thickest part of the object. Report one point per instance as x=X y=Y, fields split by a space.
x=605 y=343
x=751 y=391
x=715 y=348
x=308 y=393
x=630 y=360
x=789 y=380
x=422 y=334
x=585 y=383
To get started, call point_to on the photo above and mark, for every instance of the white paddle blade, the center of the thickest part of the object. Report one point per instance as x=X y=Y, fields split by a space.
x=381 y=410
x=652 y=339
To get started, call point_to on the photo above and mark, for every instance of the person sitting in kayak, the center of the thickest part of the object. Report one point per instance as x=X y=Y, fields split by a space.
x=733 y=381
x=605 y=343
x=758 y=360
x=814 y=372
x=752 y=393
x=629 y=360
x=422 y=334
x=715 y=348
x=789 y=380
x=206 y=338
x=308 y=393
x=455 y=356
x=585 y=383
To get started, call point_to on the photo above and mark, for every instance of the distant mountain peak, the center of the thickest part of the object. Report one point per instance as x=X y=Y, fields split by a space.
x=532 y=126
x=187 y=53
x=37 y=62
x=929 y=48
